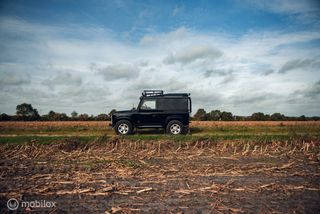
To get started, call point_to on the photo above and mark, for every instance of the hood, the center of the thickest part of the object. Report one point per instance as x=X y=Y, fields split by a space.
x=124 y=112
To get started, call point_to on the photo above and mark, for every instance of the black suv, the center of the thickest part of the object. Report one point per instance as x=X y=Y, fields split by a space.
x=155 y=110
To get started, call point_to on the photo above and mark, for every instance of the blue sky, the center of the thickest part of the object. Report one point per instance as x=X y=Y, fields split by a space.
x=92 y=56
x=141 y=17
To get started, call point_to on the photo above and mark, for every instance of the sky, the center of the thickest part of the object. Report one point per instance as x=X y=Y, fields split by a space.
x=242 y=56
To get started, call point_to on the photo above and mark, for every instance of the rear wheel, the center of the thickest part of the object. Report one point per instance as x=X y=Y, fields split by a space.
x=123 y=127
x=175 y=127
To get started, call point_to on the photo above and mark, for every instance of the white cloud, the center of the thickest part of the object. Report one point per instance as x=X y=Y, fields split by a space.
x=177 y=9
x=314 y=91
x=100 y=72
x=68 y=78
x=305 y=12
x=287 y=6
x=8 y=77
x=119 y=71
x=147 y=39
x=192 y=53
x=299 y=63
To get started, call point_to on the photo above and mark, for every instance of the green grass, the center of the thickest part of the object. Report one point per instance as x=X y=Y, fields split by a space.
x=42 y=139
x=52 y=130
x=256 y=130
x=48 y=135
x=215 y=137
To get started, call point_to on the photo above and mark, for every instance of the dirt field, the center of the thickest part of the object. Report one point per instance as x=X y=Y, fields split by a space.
x=152 y=173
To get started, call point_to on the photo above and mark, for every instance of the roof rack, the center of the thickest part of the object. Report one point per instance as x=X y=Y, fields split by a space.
x=178 y=94
x=152 y=93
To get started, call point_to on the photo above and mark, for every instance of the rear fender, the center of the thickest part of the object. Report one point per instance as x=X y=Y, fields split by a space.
x=176 y=117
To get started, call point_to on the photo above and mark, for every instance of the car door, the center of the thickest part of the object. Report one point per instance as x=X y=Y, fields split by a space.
x=149 y=115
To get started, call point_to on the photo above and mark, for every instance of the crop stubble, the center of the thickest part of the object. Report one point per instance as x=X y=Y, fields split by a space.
x=121 y=175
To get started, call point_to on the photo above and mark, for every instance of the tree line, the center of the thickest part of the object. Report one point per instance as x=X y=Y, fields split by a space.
x=25 y=112
x=217 y=115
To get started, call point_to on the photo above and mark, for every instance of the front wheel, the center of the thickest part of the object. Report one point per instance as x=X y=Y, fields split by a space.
x=175 y=127
x=123 y=127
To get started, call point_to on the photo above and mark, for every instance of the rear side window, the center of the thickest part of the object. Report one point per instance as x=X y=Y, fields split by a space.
x=173 y=104
x=148 y=105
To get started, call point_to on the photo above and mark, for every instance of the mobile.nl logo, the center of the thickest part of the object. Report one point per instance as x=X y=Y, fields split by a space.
x=13 y=204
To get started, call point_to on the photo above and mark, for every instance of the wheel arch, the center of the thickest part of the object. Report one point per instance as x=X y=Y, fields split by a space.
x=173 y=117
x=123 y=118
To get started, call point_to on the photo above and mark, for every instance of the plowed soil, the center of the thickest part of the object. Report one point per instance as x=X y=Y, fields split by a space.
x=118 y=175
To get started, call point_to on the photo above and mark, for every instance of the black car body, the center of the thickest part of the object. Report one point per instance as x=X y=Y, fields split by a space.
x=155 y=110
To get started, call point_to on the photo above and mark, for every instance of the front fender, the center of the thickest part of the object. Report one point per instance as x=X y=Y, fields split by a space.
x=121 y=118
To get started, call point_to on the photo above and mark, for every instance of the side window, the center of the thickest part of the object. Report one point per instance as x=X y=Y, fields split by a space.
x=148 y=105
x=180 y=104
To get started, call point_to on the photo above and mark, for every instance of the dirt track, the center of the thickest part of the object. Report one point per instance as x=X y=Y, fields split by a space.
x=121 y=176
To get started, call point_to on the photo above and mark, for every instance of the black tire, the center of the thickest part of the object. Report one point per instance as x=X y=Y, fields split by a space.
x=175 y=127
x=123 y=127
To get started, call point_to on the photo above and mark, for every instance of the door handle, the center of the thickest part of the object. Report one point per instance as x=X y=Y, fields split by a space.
x=154 y=115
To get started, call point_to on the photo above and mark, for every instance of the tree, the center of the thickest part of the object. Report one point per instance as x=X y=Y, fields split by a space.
x=52 y=115
x=277 y=117
x=215 y=115
x=24 y=109
x=201 y=114
x=91 y=117
x=62 y=116
x=4 y=117
x=27 y=112
x=55 y=116
x=258 y=116
x=74 y=114
x=302 y=118
x=83 y=117
x=267 y=117
x=35 y=115
x=226 y=116
x=102 y=117
x=315 y=118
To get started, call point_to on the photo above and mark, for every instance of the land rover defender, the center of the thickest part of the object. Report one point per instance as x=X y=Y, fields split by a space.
x=156 y=110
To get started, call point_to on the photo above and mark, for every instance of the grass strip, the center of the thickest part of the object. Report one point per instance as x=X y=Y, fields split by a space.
x=42 y=139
